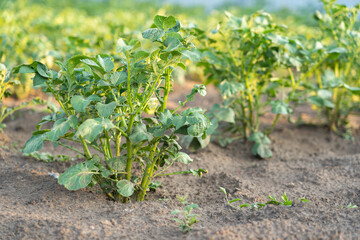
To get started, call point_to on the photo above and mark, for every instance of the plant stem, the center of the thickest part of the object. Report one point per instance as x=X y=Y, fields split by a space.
x=70 y=147
x=273 y=124
x=128 y=82
x=166 y=91
x=147 y=174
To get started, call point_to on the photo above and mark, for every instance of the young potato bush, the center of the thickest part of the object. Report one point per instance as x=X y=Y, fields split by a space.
x=246 y=57
x=5 y=84
x=337 y=89
x=120 y=112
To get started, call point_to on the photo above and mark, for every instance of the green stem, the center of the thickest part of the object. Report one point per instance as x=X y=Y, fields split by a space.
x=273 y=124
x=70 y=147
x=108 y=146
x=166 y=91
x=13 y=110
x=128 y=82
x=148 y=174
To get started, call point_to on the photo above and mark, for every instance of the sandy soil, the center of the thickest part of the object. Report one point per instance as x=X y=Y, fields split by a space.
x=308 y=161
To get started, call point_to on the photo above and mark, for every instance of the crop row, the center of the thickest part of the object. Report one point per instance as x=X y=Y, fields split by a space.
x=114 y=105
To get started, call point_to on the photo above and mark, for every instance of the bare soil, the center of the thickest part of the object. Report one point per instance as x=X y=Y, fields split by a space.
x=309 y=161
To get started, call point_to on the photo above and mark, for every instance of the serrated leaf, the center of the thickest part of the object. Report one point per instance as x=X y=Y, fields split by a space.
x=78 y=176
x=125 y=188
x=105 y=110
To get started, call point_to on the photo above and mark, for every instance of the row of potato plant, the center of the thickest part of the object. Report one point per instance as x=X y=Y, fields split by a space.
x=259 y=68
x=118 y=114
x=118 y=109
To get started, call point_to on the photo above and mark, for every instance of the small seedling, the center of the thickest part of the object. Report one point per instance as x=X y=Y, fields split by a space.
x=285 y=201
x=187 y=218
x=350 y=206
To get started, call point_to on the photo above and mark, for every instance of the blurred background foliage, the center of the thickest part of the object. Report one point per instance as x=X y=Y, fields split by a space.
x=53 y=30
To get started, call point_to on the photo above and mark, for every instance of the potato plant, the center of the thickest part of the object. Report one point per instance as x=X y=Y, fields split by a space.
x=5 y=84
x=250 y=59
x=118 y=114
x=337 y=89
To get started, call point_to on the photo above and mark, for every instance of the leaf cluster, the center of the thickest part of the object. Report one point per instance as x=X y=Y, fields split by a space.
x=119 y=111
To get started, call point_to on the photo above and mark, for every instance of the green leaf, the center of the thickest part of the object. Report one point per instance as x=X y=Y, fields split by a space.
x=223 y=113
x=329 y=80
x=117 y=163
x=89 y=62
x=164 y=22
x=117 y=78
x=182 y=158
x=140 y=133
x=280 y=107
x=200 y=88
x=171 y=44
x=223 y=190
x=159 y=21
x=198 y=125
x=78 y=176
x=106 y=63
x=2 y=67
x=235 y=200
x=229 y=89
x=140 y=55
x=125 y=188
x=321 y=102
x=79 y=103
x=35 y=143
x=261 y=146
x=122 y=47
x=153 y=34
x=354 y=90
x=165 y=117
x=169 y=22
x=179 y=121
x=39 y=81
x=61 y=126
x=92 y=128
x=42 y=70
x=192 y=55
x=105 y=110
